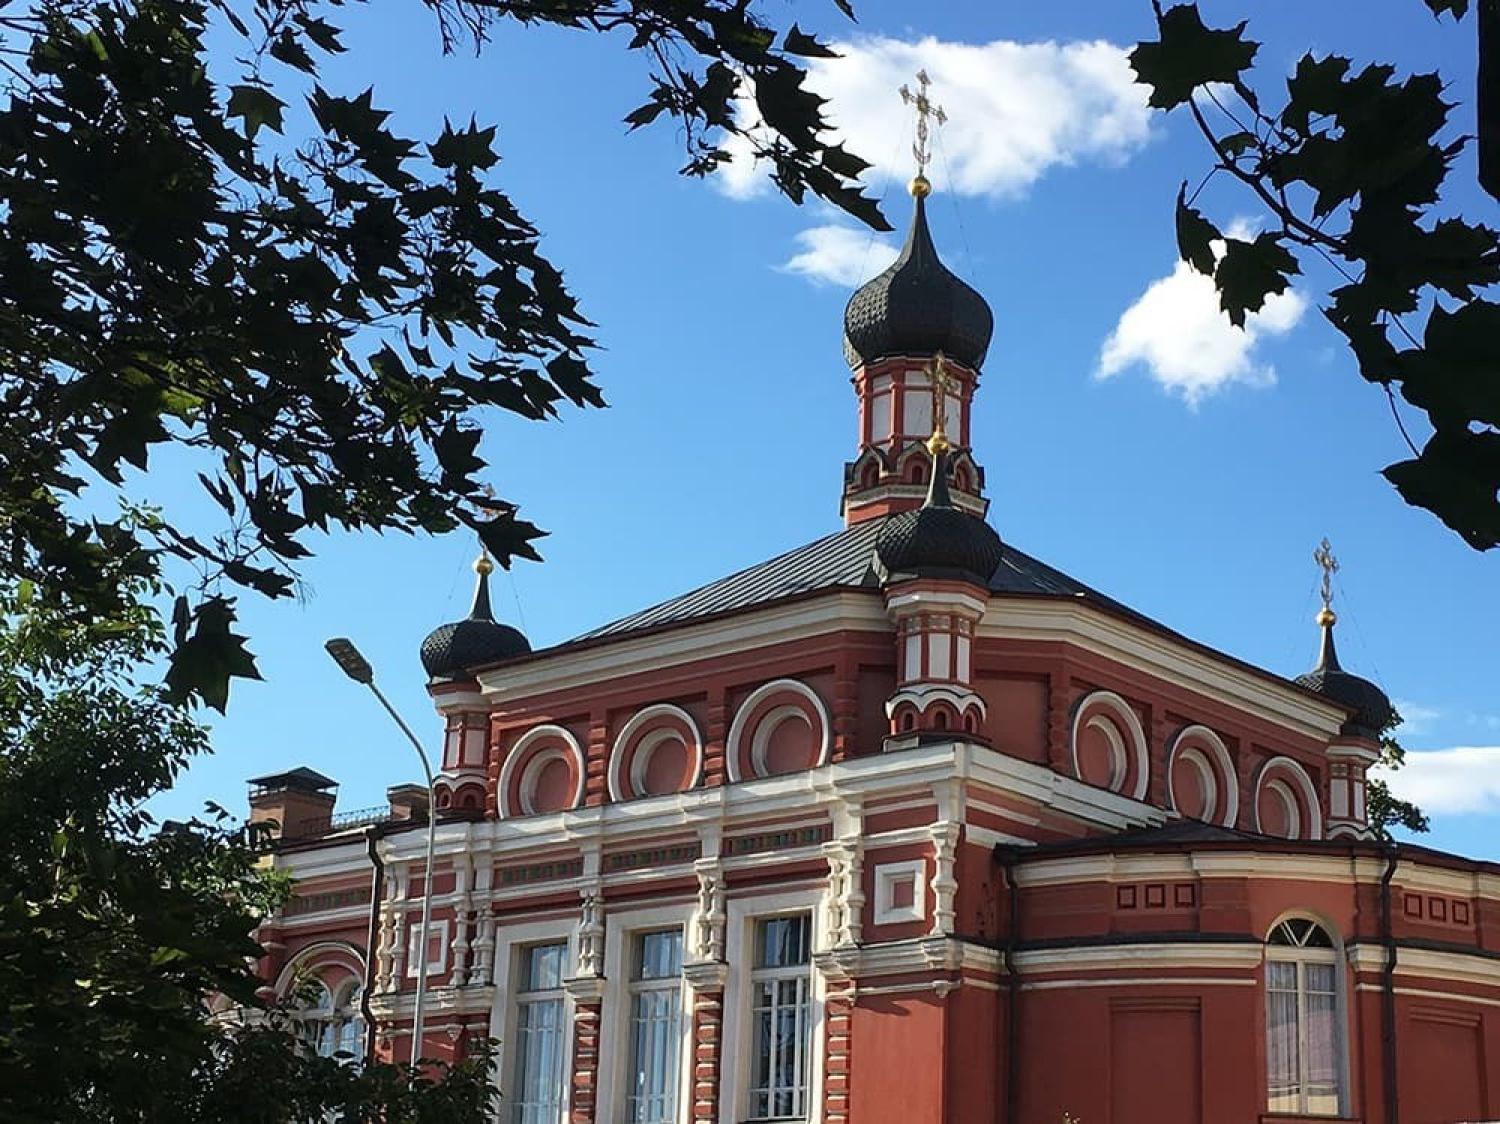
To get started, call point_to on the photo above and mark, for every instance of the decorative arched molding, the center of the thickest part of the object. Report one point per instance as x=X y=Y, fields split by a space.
x=1127 y=718
x=538 y=742
x=735 y=743
x=1310 y=812
x=314 y=958
x=1317 y=917
x=768 y=724
x=1226 y=806
x=633 y=736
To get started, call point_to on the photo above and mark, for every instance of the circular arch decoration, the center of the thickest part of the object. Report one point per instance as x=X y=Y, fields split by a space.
x=315 y=958
x=1288 y=782
x=1206 y=752
x=535 y=757
x=641 y=743
x=763 y=713
x=1123 y=731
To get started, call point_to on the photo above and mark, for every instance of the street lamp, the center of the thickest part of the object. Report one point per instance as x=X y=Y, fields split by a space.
x=357 y=668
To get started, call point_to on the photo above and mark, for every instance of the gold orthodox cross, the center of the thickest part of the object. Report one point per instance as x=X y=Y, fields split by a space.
x=926 y=109
x=942 y=382
x=1323 y=556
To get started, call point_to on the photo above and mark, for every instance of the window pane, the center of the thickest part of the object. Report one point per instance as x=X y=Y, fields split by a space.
x=542 y=967
x=782 y=942
x=659 y=955
x=656 y=1052
x=1321 y=1037
x=1283 y=1064
x=538 y=1092
x=781 y=1021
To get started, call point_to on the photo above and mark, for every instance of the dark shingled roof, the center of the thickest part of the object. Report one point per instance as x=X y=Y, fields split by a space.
x=843 y=560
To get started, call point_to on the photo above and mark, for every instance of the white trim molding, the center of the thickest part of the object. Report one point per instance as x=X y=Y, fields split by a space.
x=1313 y=829
x=517 y=751
x=1225 y=805
x=637 y=720
x=746 y=710
x=1125 y=715
x=887 y=877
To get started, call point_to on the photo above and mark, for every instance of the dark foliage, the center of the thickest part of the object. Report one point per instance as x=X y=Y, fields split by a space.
x=1350 y=167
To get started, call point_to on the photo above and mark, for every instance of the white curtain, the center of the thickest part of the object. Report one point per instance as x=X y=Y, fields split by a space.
x=1283 y=1064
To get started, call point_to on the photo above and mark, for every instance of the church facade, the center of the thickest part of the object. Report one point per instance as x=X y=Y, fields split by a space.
x=903 y=825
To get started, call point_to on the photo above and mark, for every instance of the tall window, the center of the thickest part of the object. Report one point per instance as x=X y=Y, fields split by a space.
x=537 y=1094
x=655 y=1028
x=330 y=1021
x=780 y=987
x=1304 y=1034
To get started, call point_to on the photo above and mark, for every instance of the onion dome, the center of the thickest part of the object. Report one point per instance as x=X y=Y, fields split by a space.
x=1372 y=709
x=452 y=649
x=917 y=307
x=939 y=539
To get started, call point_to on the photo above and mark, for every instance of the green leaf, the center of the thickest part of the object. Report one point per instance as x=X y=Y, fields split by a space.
x=1456 y=477
x=208 y=656
x=1455 y=8
x=1189 y=55
x=808 y=46
x=1195 y=236
x=256 y=106
x=1249 y=272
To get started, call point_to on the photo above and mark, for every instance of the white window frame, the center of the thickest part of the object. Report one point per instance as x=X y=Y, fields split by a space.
x=734 y=1070
x=510 y=942
x=436 y=928
x=887 y=875
x=1301 y=957
x=615 y=1029
x=338 y=1011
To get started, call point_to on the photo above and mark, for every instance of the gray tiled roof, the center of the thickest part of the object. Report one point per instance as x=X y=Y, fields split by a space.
x=843 y=560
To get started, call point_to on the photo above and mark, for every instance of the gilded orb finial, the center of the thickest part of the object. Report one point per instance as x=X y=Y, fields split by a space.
x=920 y=186
x=484 y=565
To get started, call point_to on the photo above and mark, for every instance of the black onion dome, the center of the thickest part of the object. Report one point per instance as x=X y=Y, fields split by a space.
x=917 y=307
x=1372 y=708
x=451 y=649
x=939 y=539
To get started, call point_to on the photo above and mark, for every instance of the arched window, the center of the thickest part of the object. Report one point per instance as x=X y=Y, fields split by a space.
x=1304 y=1021
x=330 y=1021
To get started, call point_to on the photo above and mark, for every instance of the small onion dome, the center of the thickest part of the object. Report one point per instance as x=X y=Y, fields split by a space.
x=1372 y=709
x=451 y=649
x=917 y=307
x=938 y=539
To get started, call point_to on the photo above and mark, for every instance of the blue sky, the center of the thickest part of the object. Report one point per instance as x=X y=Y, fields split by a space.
x=1192 y=482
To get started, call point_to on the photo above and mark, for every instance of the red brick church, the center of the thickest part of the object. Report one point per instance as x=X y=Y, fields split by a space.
x=903 y=825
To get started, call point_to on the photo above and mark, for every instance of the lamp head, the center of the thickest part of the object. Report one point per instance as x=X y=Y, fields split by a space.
x=348 y=657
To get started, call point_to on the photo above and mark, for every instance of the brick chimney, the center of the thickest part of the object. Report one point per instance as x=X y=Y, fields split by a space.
x=408 y=801
x=299 y=803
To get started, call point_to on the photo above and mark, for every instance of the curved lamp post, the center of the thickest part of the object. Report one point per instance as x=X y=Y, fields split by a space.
x=357 y=668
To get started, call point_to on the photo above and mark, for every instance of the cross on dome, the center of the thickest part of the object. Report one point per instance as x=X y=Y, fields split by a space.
x=1323 y=556
x=927 y=110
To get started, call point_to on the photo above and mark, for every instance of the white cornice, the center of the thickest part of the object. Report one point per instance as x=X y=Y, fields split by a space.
x=1455 y=966
x=813 y=796
x=1109 y=958
x=1082 y=624
x=612 y=658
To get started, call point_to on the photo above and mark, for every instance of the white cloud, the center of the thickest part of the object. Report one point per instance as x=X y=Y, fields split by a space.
x=839 y=255
x=1416 y=719
x=1178 y=333
x=1014 y=111
x=1462 y=779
